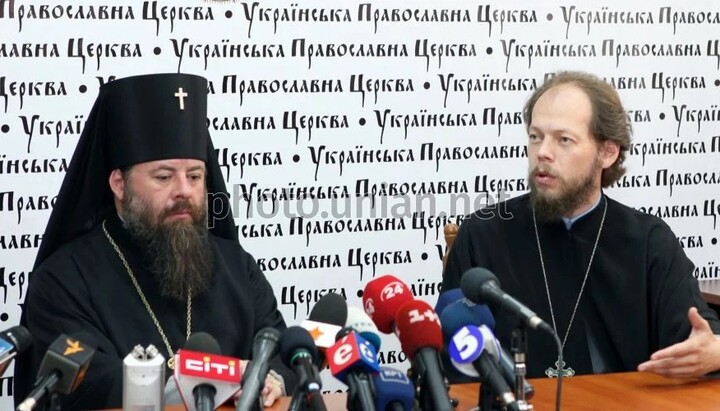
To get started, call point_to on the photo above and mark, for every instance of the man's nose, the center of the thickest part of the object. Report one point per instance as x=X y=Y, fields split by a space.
x=183 y=187
x=546 y=150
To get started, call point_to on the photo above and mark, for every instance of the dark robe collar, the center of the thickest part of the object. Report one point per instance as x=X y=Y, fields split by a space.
x=569 y=221
x=586 y=221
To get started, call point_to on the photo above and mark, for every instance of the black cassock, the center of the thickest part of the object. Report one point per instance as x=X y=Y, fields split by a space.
x=85 y=287
x=636 y=299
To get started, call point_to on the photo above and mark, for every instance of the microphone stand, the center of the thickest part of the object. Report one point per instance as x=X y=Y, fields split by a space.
x=297 y=402
x=424 y=402
x=519 y=349
x=52 y=403
x=306 y=400
x=423 y=396
x=487 y=399
x=356 y=401
x=55 y=402
x=427 y=389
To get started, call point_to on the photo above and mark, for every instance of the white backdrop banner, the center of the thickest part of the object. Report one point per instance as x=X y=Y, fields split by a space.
x=350 y=133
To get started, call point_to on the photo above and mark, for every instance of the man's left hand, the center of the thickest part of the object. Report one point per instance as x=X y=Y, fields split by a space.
x=694 y=357
x=271 y=391
x=269 y=394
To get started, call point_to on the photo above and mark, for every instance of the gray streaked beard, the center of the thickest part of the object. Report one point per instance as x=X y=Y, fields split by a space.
x=181 y=258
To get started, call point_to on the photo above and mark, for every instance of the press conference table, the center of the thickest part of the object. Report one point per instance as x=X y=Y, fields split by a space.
x=710 y=290
x=624 y=391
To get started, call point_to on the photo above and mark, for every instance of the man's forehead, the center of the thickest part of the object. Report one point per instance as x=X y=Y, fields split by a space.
x=561 y=107
x=173 y=164
x=564 y=97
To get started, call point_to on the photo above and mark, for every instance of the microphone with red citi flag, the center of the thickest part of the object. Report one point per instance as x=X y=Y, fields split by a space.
x=205 y=379
x=382 y=298
x=62 y=369
x=418 y=328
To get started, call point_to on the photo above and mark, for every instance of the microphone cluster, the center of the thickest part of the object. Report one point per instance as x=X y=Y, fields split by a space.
x=460 y=328
x=346 y=340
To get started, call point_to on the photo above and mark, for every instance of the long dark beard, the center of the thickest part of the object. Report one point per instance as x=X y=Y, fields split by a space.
x=573 y=194
x=181 y=258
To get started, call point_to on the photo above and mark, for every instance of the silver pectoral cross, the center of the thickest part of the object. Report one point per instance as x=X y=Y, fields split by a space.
x=559 y=370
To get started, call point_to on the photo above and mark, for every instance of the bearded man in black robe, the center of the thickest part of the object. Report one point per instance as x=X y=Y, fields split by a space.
x=613 y=282
x=141 y=247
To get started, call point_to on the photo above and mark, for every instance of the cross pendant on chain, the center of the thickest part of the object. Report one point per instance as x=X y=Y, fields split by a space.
x=559 y=370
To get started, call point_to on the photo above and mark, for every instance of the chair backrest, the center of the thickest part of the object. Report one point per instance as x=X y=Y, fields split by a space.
x=450 y=230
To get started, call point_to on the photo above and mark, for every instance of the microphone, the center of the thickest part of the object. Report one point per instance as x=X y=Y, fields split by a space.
x=446 y=298
x=418 y=328
x=478 y=312
x=465 y=312
x=144 y=379
x=326 y=319
x=298 y=351
x=323 y=336
x=265 y=347
x=361 y=323
x=203 y=375
x=331 y=308
x=352 y=359
x=481 y=286
x=13 y=341
x=382 y=298
x=470 y=350
x=62 y=369
x=393 y=390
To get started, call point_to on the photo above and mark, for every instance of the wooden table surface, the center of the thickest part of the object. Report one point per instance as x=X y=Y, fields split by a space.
x=710 y=290
x=623 y=391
